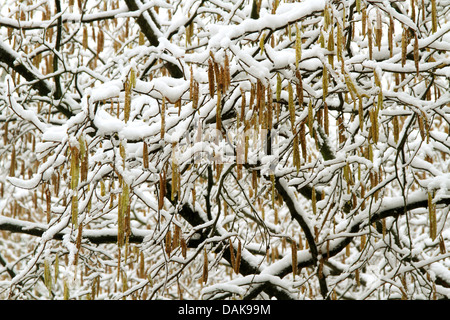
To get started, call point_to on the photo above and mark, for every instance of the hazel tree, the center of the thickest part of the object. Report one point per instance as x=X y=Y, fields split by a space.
x=224 y=149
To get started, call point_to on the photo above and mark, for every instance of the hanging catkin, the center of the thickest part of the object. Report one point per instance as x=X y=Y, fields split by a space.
x=296 y=151
x=432 y=216
x=127 y=105
x=299 y=88
x=278 y=91
x=163 y=117
x=416 y=53
x=404 y=45
x=396 y=128
x=325 y=81
x=298 y=46
x=211 y=78
x=291 y=106
x=237 y=262
x=433 y=16
x=378 y=30
x=227 y=75
x=294 y=258
x=302 y=135
x=205 y=266
x=145 y=160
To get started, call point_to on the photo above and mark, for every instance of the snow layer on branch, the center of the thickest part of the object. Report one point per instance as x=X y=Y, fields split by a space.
x=107 y=124
x=295 y=12
x=20 y=111
x=106 y=91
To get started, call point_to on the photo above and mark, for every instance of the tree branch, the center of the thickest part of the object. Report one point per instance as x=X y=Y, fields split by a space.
x=147 y=30
x=12 y=60
x=281 y=187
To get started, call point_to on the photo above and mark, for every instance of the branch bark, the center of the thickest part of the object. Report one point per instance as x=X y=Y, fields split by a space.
x=12 y=60
x=149 y=33
x=294 y=210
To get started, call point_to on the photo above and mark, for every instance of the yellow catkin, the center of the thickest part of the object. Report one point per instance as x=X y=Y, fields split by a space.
x=370 y=39
x=395 y=124
x=217 y=75
x=74 y=210
x=176 y=237
x=123 y=154
x=420 y=121
x=351 y=86
x=341 y=129
x=145 y=160
x=84 y=157
x=416 y=53
x=339 y=42
x=141 y=39
x=243 y=105
x=189 y=34
x=132 y=78
x=310 y=118
x=269 y=109
x=296 y=152
x=211 y=78
x=168 y=242
x=47 y=275
x=100 y=41
x=391 y=36
x=66 y=291
x=330 y=47
x=74 y=167
x=126 y=208
x=127 y=105
x=302 y=135
x=205 y=266
x=291 y=105
x=219 y=111
x=298 y=46
x=374 y=127
x=174 y=176
x=404 y=45
x=433 y=16
x=13 y=164
x=364 y=22
x=163 y=118
x=232 y=254
x=85 y=38
x=278 y=91
x=261 y=42
x=183 y=245
x=238 y=257
x=442 y=248
x=326 y=17
x=432 y=216
x=313 y=200
x=363 y=242
x=227 y=73
x=326 y=119
x=361 y=114
x=48 y=204
x=299 y=89
x=120 y=224
x=294 y=258
x=357 y=278
x=378 y=30
x=325 y=81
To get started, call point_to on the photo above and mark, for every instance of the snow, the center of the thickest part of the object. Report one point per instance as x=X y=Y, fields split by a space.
x=107 y=124
x=19 y=110
x=106 y=91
